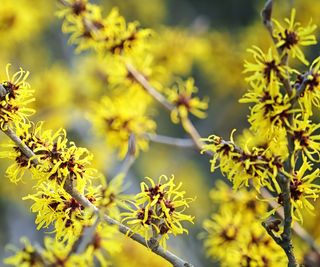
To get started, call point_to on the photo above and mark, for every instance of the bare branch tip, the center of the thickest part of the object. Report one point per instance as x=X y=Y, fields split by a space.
x=266 y=12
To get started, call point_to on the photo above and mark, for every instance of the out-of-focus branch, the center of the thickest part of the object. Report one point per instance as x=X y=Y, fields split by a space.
x=149 y=88
x=172 y=141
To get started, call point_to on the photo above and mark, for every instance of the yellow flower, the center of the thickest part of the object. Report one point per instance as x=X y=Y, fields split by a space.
x=181 y=97
x=30 y=135
x=271 y=109
x=110 y=197
x=293 y=35
x=302 y=188
x=15 y=95
x=302 y=132
x=159 y=210
x=267 y=67
x=240 y=165
x=55 y=206
x=106 y=35
x=311 y=94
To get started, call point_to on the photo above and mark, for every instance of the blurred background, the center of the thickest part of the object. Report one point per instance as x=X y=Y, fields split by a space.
x=206 y=39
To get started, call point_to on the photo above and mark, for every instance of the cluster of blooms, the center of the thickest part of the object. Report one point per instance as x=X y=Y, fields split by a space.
x=56 y=164
x=158 y=210
x=122 y=44
x=15 y=95
x=282 y=140
x=54 y=160
x=235 y=236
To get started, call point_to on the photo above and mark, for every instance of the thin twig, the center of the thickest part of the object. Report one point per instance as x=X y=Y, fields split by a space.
x=149 y=88
x=70 y=189
x=130 y=157
x=172 y=141
x=187 y=124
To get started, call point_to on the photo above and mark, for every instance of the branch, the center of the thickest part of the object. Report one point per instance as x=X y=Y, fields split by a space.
x=149 y=88
x=287 y=231
x=266 y=15
x=188 y=125
x=69 y=188
x=172 y=258
x=172 y=141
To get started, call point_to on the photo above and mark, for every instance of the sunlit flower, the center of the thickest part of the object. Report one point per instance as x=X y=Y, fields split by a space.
x=303 y=188
x=159 y=210
x=30 y=135
x=271 y=109
x=267 y=67
x=293 y=35
x=25 y=257
x=55 y=206
x=240 y=165
x=303 y=134
x=311 y=93
x=15 y=96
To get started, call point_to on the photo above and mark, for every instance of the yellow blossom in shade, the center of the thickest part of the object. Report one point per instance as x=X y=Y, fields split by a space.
x=223 y=229
x=25 y=257
x=311 y=94
x=303 y=188
x=305 y=139
x=120 y=117
x=240 y=200
x=110 y=197
x=16 y=94
x=267 y=67
x=104 y=244
x=293 y=35
x=181 y=97
x=234 y=235
x=158 y=210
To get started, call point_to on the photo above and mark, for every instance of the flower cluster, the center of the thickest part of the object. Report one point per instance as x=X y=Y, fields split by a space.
x=281 y=132
x=234 y=235
x=89 y=29
x=51 y=160
x=158 y=210
x=256 y=164
x=15 y=95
